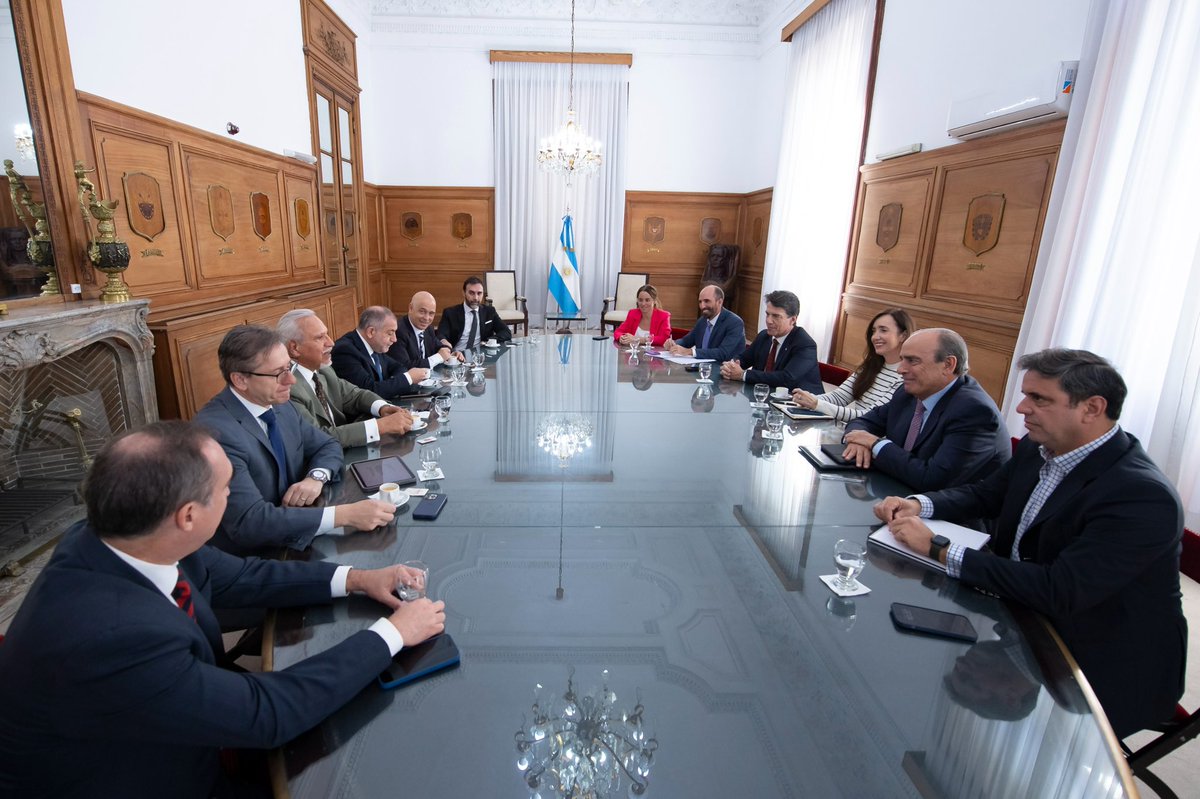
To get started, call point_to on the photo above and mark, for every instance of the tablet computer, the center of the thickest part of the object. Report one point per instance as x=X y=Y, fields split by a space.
x=414 y=662
x=377 y=471
x=793 y=411
x=829 y=458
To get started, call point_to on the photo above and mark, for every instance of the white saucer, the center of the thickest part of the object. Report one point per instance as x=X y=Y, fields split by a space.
x=403 y=499
x=418 y=424
x=430 y=382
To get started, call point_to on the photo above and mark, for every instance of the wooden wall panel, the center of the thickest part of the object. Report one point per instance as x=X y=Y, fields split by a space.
x=301 y=212
x=930 y=271
x=752 y=237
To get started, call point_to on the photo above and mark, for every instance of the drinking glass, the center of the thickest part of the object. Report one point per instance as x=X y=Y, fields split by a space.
x=459 y=373
x=761 y=392
x=429 y=459
x=417 y=590
x=477 y=359
x=535 y=335
x=775 y=423
x=441 y=406
x=850 y=557
x=705 y=372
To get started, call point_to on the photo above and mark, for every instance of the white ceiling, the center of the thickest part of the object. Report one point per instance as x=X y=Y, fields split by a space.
x=721 y=13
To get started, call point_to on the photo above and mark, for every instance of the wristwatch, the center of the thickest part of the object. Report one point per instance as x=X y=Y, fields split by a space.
x=937 y=544
x=320 y=475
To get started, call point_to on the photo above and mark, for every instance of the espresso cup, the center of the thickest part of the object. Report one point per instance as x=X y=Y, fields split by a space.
x=491 y=342
x=782 y=391
x=390 y=492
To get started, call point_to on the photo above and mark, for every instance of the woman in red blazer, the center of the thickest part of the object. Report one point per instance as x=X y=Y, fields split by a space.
x=647 y=319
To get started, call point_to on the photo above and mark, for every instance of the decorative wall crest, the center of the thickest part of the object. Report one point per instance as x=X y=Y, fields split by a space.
x=460 y=226
x=710 y=230
x=654 y=229
x=410 y=225
x=303 y=217
x=888 y=231
x=220 y=211
x=984 y=215
x=143 y=204
x=335 y=48
x=260 y=210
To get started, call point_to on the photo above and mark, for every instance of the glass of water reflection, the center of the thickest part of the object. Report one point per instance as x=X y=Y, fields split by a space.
x=850 y=557
x=761 y=392
x=775 y=422
x=705 y=372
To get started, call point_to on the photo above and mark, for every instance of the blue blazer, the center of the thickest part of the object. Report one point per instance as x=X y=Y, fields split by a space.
x=253 y=519
x=109 y=689
x=407 y=352
x=1100 y=561
x=963 y=439
x=727 y=340
x=795 y=362
x=352 y=362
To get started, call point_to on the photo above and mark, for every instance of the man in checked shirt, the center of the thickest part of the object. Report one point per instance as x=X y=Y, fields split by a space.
x=1088 y=533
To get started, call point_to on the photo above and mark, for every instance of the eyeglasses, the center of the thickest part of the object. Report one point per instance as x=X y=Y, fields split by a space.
x=278 y=376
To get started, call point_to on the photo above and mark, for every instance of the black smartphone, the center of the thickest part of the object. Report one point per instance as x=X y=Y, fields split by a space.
x=414 y=662
x=429 y=507
x=373 y=473
x=933 y=622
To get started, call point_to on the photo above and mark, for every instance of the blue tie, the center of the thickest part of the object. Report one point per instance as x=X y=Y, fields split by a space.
x=268 y=417
x=707 y=335
x=378 y=365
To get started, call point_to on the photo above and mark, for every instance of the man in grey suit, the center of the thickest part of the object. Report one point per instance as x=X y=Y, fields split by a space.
x=280 y=462
x=352 y=415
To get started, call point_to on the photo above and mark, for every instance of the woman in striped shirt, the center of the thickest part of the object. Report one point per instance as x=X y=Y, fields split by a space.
x=875 y=380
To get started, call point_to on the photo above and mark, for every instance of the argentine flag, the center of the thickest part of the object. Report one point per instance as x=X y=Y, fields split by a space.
x=564 y=270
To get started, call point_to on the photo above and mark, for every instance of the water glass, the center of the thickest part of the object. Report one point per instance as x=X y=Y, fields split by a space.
x=535 y=335
x=459 y=372
x=477 y=359
x=761 y=392
x=429 y=459
x=775 y=423
x=706 y=372
x=416 y=590
x=850 y=557
x=441 y=407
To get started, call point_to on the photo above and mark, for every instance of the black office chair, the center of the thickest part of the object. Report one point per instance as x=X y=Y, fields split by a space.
x=1184 y=726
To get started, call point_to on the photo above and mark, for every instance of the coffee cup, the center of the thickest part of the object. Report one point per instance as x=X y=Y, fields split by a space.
x=390 y=492
x=782 y=391
x=491 y=342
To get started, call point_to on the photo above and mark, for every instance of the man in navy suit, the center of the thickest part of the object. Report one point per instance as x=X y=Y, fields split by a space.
x=719 y=334
x=110 y=678
x=358 y=357
x=280 y=461
x=942 y=430
x=465 y=326
x=417 y=343
x=1088 y=533
x=783 y=354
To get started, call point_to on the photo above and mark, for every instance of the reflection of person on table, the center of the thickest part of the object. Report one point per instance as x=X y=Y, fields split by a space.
x=1088 y=533
x=648 y=323
x=352 y=415
x=111 y=677
x=875 y=380
x=783 y=354
x=719 y=334
x=280 y=462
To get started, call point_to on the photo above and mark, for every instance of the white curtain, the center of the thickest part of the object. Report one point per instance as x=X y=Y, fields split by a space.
x=1119 y=273
x=531 y=103
x=813 y=204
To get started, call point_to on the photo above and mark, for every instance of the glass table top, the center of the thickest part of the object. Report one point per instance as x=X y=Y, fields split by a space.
x=613 y=522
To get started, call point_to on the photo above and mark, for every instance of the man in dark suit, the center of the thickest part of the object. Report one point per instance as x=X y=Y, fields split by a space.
x=1088 y=533
x=359 y=358
x=783 y=354
x=465 y=326
x=280 y=462
x=110 y=678
x=942 y=430
x=417 y=343
x=352 y=415
x=719 y=334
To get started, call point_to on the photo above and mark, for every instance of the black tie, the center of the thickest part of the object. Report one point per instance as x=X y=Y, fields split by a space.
x=268 y=416
x=421 y=342
x=471 y=338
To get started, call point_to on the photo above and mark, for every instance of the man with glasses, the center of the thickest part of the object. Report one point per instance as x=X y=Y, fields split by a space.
x=280 y=462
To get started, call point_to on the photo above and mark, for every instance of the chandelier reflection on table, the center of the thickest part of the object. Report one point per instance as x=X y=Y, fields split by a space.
x=584 y=747
x=564 y=435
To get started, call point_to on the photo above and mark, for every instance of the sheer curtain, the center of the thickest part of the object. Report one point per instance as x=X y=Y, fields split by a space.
x=1120 y=273
x=813 y=203
x=531 y=103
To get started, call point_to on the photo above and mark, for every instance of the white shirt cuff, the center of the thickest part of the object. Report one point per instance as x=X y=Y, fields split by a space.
x=435 y=359
x=372 y=428
x=390 y=635
x=337 y=586
x=377 y=406
x=326 y=526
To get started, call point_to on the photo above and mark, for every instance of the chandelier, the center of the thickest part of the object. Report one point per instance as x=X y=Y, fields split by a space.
x=584 y=747
x=564 y=435
x=570 y=151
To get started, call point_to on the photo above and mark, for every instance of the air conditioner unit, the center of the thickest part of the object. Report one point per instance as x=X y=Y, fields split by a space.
x=1032 y=101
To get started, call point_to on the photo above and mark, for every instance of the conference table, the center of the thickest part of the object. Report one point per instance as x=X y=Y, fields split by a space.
x=621 y=533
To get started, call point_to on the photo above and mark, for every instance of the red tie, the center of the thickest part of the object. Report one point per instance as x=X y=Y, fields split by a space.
x=771 y=355
x=183 y=597
x=914 y=428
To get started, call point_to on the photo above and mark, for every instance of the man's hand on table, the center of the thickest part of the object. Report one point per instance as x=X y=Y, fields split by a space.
x=366 y=514
x=302 y=494
x=418 y=620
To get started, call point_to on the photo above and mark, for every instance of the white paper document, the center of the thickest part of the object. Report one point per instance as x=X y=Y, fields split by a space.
x=686 y=360
x=957 y=534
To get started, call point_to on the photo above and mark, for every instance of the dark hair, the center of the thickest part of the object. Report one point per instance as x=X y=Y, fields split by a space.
x=374 y=316
x=242 y=347
x=471 y=281
x=872 y=365
x=1081 y=374
x=718 y=292
x=143 y=476
x=653 y=292
x=950 y=343
x=786 y=300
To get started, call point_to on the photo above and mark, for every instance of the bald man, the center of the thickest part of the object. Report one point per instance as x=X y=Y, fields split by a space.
x=417 y=343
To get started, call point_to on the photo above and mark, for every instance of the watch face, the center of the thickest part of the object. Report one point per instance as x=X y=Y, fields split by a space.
x=320 y=477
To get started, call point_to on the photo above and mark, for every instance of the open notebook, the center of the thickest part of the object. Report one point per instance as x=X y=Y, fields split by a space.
x=955 y=532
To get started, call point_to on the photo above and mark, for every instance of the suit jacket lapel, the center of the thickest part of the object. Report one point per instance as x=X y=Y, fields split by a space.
x=935 y=416
x=1092 y=467
x=243 y=417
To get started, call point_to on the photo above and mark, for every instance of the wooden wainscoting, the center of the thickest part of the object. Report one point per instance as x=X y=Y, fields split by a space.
x=431 y=238
x=752 y=237
x=952 y=236
x=205 y=217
